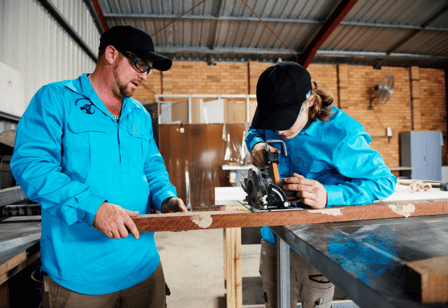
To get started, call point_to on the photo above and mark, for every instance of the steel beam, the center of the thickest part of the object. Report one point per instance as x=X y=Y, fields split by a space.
x=100 y=14
x=205 y=51
x=56 y=14
x=95 y=16
x=283 y=274
x=333 y=21
x=269 y=19
x=408 y=37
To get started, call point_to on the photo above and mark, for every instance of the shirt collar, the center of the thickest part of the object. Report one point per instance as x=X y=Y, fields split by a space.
x=83 y=87
x=315 y=129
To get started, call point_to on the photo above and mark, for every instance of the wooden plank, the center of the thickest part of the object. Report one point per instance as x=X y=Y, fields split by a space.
x=238 y=219
x=232 y=263
x=229 y=268
x=428 y=279
x=16 y=264
x=238 y=279
x=409 y=182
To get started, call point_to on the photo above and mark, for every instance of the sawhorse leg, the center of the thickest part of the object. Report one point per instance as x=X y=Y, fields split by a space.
x=232 y=268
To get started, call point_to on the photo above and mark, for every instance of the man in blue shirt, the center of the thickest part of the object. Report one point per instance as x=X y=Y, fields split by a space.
x=329 y=163
x=85 y=151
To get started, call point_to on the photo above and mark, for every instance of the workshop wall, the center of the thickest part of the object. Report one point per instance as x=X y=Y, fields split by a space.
x=418 y=101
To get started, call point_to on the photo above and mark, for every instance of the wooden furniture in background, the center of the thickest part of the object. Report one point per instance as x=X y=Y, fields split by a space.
x=195 y=157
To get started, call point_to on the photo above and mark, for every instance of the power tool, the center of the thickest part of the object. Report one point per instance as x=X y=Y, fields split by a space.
x=264 y=187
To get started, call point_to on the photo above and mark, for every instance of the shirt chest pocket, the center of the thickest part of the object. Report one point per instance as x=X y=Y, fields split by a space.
x=93 y=145
x=139 y=144
x=311 y=168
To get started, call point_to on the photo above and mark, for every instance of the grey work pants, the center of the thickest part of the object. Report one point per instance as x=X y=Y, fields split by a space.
x=308 y=285
x=150 y=293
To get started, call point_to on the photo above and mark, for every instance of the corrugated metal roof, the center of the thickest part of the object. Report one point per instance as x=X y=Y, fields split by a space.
x=374 y=32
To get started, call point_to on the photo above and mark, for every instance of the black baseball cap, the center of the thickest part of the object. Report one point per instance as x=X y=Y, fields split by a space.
x=137 y=41
x=281 y=90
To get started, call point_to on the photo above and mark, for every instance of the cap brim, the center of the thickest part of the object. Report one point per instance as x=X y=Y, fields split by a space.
x=160 y=62
x=276 y=120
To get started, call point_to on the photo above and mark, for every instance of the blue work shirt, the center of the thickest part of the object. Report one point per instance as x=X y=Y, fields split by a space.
x=70 y=156
x=336 y=154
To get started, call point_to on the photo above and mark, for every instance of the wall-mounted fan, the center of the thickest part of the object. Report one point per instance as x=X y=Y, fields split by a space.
x=384 y=90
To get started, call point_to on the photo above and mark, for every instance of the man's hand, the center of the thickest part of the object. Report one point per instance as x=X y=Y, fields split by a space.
x=258 y=155
x=174 y=205
x=310 y=192
x=115 y=221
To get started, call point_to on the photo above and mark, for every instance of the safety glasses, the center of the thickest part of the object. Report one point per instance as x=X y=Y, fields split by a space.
x=141 y=65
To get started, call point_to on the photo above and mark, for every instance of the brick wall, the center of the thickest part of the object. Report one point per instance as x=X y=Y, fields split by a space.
x=418 y=101
x=433 y=104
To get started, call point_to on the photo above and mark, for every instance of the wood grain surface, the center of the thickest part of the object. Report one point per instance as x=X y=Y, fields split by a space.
x=237 y=219
x=428 y=279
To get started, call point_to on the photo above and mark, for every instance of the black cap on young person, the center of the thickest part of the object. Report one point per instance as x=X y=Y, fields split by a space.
x=281 y=90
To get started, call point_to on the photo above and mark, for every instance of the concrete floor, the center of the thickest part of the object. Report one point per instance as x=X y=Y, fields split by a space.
x=193 y=263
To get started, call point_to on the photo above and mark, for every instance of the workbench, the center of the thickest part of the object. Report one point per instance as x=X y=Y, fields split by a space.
x=19 y=242
x=366 y=259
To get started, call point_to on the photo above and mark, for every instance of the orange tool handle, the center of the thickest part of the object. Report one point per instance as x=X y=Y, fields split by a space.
x=275 y=169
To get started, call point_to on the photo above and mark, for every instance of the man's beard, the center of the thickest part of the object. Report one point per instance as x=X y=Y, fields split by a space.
x=121 y=87
x=124 y=92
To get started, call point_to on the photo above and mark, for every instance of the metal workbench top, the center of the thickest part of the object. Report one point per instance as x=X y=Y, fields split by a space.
x=19 y=244
x=366 y=259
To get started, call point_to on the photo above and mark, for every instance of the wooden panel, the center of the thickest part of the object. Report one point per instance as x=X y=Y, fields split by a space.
x=196 y=111
x=4 y=295
x=236 y=111
x=237 y=219
x=179 y=111
x=194 y=158
x=428 y=279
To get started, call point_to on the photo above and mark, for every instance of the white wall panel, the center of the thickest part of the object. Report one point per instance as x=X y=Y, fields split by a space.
x=33 y=43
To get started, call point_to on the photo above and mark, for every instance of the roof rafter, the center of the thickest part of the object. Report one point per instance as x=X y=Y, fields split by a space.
x=414 y=33
x=269 y=19
x=333 y=21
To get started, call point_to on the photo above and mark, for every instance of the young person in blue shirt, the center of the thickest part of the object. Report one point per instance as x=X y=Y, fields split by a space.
x=85 y=151
x=329 y=163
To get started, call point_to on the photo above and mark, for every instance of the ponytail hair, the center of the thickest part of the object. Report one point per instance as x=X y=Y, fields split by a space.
x=323 y=101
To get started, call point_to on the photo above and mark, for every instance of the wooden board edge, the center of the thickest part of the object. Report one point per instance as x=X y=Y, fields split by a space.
x=237 y=219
